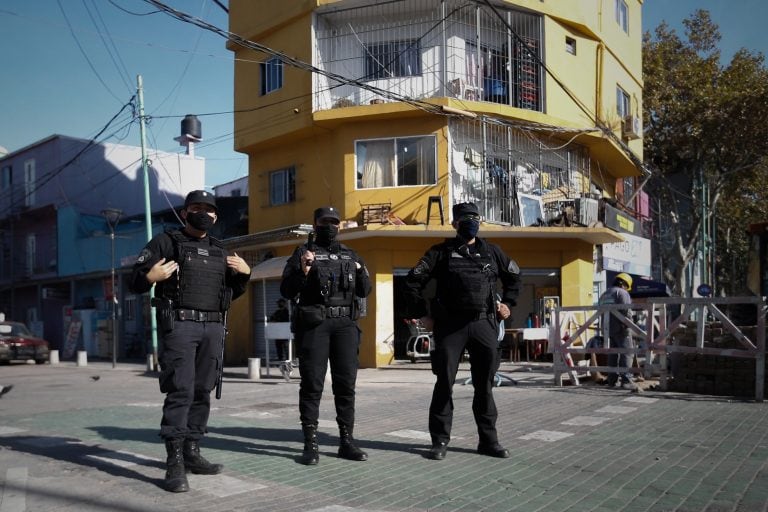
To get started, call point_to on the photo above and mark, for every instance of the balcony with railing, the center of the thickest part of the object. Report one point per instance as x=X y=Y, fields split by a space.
x=425 y=49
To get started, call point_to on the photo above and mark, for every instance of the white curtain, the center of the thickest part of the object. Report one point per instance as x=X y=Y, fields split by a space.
x=379 y=165
x=426 y=149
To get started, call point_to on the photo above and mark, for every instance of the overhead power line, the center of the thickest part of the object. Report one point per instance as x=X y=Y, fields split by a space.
x=422 y=105
x=607 y=131
x=91 y=143
x=291 y=61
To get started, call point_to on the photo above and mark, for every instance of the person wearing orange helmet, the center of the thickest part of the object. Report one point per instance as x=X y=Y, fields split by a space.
x=618 y=333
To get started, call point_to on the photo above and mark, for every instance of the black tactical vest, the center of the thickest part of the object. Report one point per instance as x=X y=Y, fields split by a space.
x=200 y=282
x=336 y=277
x=469 y=281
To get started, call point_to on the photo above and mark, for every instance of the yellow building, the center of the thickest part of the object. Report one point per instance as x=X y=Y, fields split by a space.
x=394 y=112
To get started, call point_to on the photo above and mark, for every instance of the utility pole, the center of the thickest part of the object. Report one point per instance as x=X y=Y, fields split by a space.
x=147 y=212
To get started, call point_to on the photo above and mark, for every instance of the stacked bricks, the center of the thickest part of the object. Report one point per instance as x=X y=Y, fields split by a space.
x=712 y=374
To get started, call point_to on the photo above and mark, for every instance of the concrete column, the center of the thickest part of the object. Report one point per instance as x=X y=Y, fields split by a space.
x=82 y=358
x=53 y=357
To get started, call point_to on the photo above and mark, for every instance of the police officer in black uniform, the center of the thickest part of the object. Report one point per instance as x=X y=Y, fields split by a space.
x=327 y=279
x=464 y=315
x=195 y=282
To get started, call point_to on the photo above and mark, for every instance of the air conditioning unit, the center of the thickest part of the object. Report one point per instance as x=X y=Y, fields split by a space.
x=585 y=211
x=631 y=127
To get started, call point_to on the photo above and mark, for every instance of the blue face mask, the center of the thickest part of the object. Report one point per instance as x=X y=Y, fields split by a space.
x=468 y=229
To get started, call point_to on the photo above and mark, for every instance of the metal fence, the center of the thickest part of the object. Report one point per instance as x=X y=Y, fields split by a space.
x=655 y=325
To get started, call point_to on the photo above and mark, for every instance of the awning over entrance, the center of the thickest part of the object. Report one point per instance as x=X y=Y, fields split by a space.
x=269 y=269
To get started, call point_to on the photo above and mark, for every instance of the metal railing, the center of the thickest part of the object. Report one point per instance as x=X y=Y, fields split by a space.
x=656 y=325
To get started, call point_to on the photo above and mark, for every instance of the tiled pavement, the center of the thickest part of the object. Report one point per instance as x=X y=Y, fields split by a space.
x=71 y=442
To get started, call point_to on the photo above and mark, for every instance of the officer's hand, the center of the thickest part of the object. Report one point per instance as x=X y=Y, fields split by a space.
x=502 y=311
x=238 y=264
x=307 y=259
x=162 y=270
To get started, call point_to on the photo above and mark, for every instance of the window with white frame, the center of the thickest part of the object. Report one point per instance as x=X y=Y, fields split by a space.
x=397 y=162
x=622 y=15
x=623 y=104
x=271 y=75
x=392 y=59
x=282 y=186
x=29 y=183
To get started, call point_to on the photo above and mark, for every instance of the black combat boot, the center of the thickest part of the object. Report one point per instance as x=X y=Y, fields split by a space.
x=347 y=447
x=311 y=454
x=175 y=476
x=196 y=463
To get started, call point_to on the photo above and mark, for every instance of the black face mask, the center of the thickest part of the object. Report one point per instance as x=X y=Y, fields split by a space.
x=200 y=220
x=326 y=235
x=468 y=229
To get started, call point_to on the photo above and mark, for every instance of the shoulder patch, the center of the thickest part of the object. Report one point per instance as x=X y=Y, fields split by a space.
x=512 y=267
x=144 y=256
x=422 y=267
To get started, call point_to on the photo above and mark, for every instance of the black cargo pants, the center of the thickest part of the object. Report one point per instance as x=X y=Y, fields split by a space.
x=336 y=340
x=190 y=356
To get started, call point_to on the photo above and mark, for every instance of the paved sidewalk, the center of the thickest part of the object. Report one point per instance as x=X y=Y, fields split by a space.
x=85 y=439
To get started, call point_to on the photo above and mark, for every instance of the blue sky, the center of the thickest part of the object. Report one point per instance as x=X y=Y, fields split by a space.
x=741 y=22
x=58 y=77
x=52 y=86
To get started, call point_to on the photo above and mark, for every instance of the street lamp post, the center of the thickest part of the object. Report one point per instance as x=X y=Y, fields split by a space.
x=112 y=216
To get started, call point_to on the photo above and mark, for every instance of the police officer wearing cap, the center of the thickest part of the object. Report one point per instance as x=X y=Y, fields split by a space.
x=326 y=278
x=195 y=281
x=464 y=315
x=618 y=333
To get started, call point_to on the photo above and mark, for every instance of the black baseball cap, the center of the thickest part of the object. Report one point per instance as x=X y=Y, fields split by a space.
x=200 y=196
x=462 y=209
x=327 y=212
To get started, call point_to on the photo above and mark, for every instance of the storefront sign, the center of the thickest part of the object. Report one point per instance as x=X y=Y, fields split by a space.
x=633 y=255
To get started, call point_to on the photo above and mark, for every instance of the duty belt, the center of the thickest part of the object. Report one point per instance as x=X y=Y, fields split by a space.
x=199 y=316
x=470 y=315
x=337 y=311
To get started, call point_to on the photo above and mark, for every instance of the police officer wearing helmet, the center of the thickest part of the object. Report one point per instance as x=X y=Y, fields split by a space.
x=464 y=315
x=618 y=333
x=326 y=278
x=195 y=281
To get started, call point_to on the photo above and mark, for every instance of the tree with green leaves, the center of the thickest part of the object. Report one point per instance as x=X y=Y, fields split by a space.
x=706 y=139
